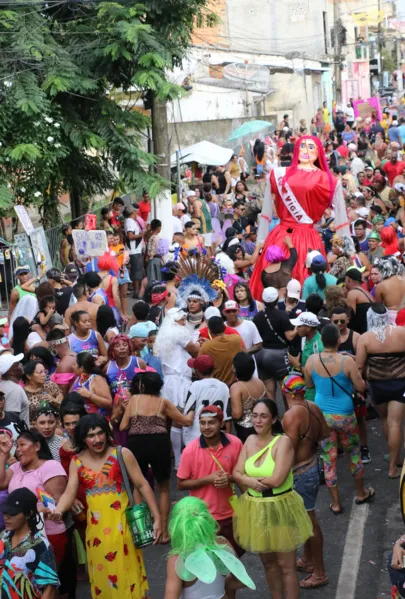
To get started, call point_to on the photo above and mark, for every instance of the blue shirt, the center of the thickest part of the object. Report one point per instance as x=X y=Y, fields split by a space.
x=311 y=286
x=401 y=130
x=394 y=134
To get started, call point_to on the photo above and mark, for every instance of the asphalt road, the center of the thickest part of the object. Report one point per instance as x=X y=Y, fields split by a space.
x=356 y=542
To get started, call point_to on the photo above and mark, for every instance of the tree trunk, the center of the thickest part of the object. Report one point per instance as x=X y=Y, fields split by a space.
x=160 y=134
x=75 y=203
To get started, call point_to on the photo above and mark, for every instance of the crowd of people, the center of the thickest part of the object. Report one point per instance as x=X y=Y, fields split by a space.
x=247 y=396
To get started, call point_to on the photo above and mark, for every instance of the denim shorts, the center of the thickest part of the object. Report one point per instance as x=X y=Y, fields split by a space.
x=307 y=485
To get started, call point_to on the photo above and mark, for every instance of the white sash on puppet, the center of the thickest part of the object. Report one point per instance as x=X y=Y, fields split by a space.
x=342 y=226
x=266 y=214
x=289 y=200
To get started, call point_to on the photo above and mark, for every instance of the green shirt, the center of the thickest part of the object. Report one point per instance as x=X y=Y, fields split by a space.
x=311 y=286
x=313 y=346
x=21 y=292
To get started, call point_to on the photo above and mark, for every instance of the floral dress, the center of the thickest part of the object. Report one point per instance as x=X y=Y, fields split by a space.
x=116 y=567
x=28 y=569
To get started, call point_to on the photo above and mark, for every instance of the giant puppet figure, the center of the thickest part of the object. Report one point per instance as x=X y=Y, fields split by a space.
x=301 y=193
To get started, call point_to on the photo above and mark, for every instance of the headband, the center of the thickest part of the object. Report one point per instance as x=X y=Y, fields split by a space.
x=293 y=383
x=58 y=341
x=158 y=297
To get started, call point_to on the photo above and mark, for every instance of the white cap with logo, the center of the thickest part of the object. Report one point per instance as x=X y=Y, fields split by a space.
x=305 y=319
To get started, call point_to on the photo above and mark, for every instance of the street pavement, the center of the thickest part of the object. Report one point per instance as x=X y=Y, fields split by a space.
x=357 y=542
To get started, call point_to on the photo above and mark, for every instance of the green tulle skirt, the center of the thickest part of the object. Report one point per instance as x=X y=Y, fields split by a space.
x=271 y=524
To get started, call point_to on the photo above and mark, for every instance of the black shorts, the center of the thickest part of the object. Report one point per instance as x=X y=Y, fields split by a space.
x=154 y=451
x=383 y=391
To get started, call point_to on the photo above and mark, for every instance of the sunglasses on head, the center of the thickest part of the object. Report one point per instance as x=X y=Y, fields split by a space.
x=339 y=321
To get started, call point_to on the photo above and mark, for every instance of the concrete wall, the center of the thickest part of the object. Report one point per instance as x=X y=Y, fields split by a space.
x=272 y=26
x=209 y=103
x=217 y=131
x=297 y=94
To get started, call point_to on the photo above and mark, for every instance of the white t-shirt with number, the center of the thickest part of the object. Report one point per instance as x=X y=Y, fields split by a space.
x=207 y=392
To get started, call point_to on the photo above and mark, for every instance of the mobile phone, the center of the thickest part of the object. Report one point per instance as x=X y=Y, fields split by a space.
x=294 y=351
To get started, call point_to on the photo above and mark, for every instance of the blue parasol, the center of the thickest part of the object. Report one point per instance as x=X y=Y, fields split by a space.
x=249 y=128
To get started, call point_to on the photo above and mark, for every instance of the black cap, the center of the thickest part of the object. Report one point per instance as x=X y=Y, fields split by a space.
x=354 y=274
x=71 y=269
x=21 y=500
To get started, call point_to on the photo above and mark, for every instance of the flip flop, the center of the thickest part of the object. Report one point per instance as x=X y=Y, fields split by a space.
x=395 y=476
x=319 y=581
x=370 y=496
x=303 y=567
x=335 y=512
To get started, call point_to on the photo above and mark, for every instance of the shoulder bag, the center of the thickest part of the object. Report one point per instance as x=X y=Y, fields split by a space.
x=357 y=398
x=139 y=518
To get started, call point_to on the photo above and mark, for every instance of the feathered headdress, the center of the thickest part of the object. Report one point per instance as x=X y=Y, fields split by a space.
x=197 y=273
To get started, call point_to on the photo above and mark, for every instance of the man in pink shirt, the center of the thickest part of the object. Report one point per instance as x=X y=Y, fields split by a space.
x=206 y=467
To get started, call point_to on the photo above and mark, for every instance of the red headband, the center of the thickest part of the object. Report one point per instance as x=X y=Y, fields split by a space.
x=158 y=297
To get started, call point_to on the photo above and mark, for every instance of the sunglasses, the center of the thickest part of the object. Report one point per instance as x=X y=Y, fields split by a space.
x=339 y=321
x=230 y=311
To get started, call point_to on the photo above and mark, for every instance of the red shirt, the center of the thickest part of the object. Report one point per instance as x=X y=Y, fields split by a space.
x=393 y=170
x=144 y=210
x=197 y=461
x=204 y=333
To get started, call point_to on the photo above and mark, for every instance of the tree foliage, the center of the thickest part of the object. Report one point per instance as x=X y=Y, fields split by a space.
x=61 y=128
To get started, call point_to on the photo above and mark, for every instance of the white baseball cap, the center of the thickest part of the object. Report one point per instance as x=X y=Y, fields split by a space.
x=7 y=360
x=310 y=256
x=191 y=193
x=230 y=305
x=211 y=311
x=306 y=319
x=294 y=289
x=363 y=212
x=270 y=294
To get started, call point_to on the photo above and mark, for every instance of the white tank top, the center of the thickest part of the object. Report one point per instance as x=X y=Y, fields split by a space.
x=200 y=590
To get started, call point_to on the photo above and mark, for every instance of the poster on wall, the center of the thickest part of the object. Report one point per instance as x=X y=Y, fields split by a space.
x=365 y=108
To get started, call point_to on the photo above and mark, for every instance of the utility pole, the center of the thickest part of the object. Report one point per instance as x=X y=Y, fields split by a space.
x=337 y=57
x=160 y=134
x=379 y=46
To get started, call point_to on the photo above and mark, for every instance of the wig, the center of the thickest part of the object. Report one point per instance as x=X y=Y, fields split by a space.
x=193 y=536
x=108 y=262
x=86 y=424
x=274 y=254
x=191 y=525
x=114 y=342
x=389 y=241
x=320 y=162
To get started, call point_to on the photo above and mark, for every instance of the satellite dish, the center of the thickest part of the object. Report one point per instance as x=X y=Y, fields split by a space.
x=251 y=76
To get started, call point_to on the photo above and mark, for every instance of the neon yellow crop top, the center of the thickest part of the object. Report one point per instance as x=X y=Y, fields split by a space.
x=266 y=469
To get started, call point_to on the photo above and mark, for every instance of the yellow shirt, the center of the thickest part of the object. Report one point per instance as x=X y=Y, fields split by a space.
x=325 y=113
